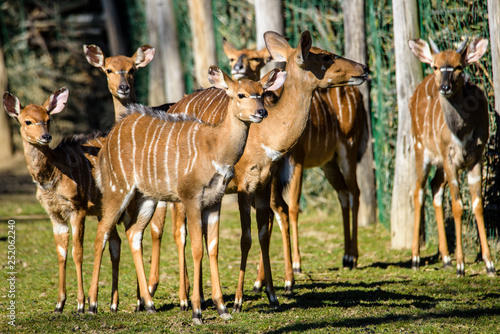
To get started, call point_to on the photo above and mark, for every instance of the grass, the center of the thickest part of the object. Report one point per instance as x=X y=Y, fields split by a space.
x=382 y=296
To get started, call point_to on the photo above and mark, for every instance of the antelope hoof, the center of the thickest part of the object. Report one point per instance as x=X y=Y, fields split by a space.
x=490 y=269
x=93 y=309
x=184 y=305
x=197 y=322
x=224 y=314
x=415 y=263
x=345 y=261
x=197 y=317
x=460 y=270
x=257 y=287
x=297 y=268
x=80 y=310
x=273 y=301
x=288 y=288
x=152 y=290
x=140 y=306
x=58 y=310
x=151 y=308
x=237 y=306
x=113 y=308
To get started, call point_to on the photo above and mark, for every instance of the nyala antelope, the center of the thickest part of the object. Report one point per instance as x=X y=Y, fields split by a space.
x=335 y=137
x=308 y=68
x=450 y=130
x=65 y=186
x=120 y=72
x=165 y=157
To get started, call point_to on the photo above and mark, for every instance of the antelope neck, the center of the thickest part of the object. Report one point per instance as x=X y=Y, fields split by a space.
x=40 y=162
x=455 y=115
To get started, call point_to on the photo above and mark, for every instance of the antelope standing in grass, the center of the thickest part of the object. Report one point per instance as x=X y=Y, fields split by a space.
x=120 y=72
x=334 y=138
x=167 y=157
x=450 y=130
x=65 y=186
x=307 y=68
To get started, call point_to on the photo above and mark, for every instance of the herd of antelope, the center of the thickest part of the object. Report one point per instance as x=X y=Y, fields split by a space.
x=193 y=152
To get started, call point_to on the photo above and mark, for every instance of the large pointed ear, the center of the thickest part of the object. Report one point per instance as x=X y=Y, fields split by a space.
x=144 y=55
x=94 y=55
x=273 y=80
x=277 y=46
x=477 y=48
x=421 y=50
x=218 y=78
x=57 y=101
x=304 y=46
x=228 y=48
x=11 y=105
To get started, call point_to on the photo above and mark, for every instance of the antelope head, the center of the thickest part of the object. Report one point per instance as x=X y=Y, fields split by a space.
x=245 y=63
x=448 y=65
x=119 y=70
x=35 y=119
x=321 y=68
x=246 y=95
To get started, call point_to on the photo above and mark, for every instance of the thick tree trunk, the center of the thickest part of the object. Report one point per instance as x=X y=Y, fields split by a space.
x=355 y=49
x=118 y=44
x=268 y=17
x=166 y=80
x=202 y=26
x=408 y=75
x=494 y=23
x=6 y=145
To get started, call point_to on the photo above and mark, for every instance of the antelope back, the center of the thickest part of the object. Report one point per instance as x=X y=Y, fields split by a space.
x=119 y=70
x=245 y=63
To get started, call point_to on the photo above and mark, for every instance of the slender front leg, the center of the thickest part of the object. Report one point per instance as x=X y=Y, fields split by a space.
x=193 y=214
x=457 y=208
x=262 y=205
x=78 y=228
x=474 y=178
x=61 y=238
x=114 y=252
x=437 y=184
x=280 y=208
x=157 y=224
x=135 y=232
x=178 y=213
x=211 y=220
x=294 y=193
x=245 y=245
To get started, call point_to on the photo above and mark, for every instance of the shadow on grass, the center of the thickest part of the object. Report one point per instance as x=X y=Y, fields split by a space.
x=361 y=323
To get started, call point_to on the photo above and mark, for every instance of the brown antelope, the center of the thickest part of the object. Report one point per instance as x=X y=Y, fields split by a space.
x=120 y=72
x=332 y=138
x=65 y=186
x=450 y=130
x=169 y=157
x=245 y=63
x=308 y=68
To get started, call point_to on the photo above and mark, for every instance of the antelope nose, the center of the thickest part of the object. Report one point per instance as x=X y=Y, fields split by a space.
x=262 y=113
x=124 y=88
x=47 y=138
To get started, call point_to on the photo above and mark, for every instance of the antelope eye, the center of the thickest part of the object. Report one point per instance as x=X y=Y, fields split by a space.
x=109 y=71
x=28 y=122
x=241 y=96
x=434 y=68
x=255 y=59
x=231 y=60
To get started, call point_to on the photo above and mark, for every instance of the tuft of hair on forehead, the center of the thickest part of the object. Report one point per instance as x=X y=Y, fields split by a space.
x=136 y=108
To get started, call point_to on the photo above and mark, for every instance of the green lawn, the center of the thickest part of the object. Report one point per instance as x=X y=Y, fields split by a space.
x=382 y=295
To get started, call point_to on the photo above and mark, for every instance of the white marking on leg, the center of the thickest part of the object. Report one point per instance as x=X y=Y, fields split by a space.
x=61 y=251
x=105 y=239
x=114 y=307
x=182 y=230
x=137 y=240
x=184 y=303
x=447 y=259
x=212 y=245
x=60 y=229
x=474 y=205
x=438 y=197
x=416 y=259
x=296 y=265
x=473 y=179
x=288 y=284
x=278 y=219
x=213 y=218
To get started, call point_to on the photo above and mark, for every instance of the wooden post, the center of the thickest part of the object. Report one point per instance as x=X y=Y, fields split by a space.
x=166 y=80
x=6 y=145
x=355 y=49
x=202 y=26
x=494 y=24
x=408 y=76
x=268 y=17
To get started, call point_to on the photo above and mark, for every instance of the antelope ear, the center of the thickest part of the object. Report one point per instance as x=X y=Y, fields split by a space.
x=421 y=50
x=218 y=78
x=304 y=47
x=94 y=55
x=11 y=105
x=476 y=50
x=144 y=55
x=57 y=101
x=228 y=48
x=273 y=80
x=277 y=46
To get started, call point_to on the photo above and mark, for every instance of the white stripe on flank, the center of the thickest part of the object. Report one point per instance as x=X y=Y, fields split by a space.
x=150 y=144
x=167 y=146
x=178 y=146
x=142 y=172
x=155 y=155
x=134 y=147
x=118 y=149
